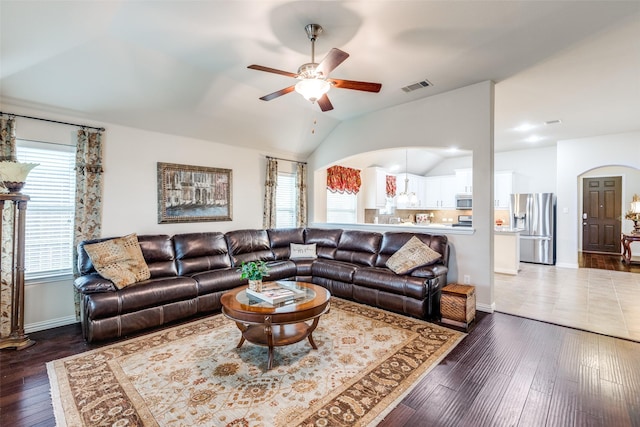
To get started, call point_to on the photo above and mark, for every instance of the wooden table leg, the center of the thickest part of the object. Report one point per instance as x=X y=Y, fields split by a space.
x=269 y=333
x=626 y=253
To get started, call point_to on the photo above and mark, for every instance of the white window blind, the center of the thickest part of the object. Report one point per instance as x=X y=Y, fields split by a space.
x=50 y=212
x=286 y=200
x=341 y=207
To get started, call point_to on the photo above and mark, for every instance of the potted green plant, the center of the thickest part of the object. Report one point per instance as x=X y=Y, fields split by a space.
x=254 y=271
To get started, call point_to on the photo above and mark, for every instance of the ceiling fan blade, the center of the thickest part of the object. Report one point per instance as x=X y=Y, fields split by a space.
x=281 y=92
x=272 y=70
x=324 y=103
x=355 y=85
x=334 y=58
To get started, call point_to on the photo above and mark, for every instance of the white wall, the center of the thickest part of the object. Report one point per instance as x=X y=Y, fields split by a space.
x=462 y=118
x=130 y=192
x=575 y=157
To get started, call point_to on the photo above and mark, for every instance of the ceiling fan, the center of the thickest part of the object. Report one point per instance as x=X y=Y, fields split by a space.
x=314 y=77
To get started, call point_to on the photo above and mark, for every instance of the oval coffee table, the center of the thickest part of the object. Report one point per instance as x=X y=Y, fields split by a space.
x=276 y=325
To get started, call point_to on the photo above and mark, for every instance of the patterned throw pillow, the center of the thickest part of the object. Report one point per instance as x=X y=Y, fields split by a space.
x=119 y=260
x=303 y=251
x=412 y=255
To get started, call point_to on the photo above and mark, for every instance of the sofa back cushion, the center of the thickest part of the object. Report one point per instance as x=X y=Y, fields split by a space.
x=393 y=241
x=281 y=238
x=249 y=245
x=360 y=247
x=326 y=241
x=198 y=252
x=157 y=251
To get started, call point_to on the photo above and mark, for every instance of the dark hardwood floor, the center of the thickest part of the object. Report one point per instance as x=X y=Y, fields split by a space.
x=606 y=262
x=507 y=371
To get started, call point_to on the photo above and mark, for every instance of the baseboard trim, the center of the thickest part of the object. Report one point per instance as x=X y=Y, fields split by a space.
x=567 y=265
x=487 y=308
x=48 y=324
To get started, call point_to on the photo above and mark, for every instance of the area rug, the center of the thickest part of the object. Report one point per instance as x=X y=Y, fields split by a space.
x=193 y=375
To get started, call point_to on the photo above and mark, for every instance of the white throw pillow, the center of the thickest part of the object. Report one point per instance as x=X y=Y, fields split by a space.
x=412 y=255
x=303 y=251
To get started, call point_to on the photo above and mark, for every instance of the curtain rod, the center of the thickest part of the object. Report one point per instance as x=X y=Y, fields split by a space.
x=54 y=121
x=285 y=160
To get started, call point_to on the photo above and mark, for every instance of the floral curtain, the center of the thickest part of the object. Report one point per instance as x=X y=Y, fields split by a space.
x=341 y=179
x=7 y=213
x=391 y=186
x=269 y=212
x=88 y=218
x=301 y=180
x=8 y=139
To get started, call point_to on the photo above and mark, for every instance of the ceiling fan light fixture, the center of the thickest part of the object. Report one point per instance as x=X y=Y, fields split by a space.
x=312 y=89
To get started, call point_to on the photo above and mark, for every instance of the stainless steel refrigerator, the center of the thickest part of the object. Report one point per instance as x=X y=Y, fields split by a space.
x=535 y=214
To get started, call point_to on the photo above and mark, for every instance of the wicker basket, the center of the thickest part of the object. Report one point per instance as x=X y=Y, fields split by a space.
x=458 y=304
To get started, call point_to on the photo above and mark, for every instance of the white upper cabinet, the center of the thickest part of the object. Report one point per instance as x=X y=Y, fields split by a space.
x=503 y=187
x=374 y=185
x=440 y=192
x=464 y=181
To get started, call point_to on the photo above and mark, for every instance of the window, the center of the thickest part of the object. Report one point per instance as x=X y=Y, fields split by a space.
x=341 y=207
x=50 y=212
x=286 y=200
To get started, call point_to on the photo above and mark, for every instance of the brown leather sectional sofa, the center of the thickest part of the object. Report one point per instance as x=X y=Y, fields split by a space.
x=190 y=272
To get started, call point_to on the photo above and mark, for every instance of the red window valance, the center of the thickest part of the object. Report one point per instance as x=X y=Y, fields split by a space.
x=343 y=180
x=391 y=186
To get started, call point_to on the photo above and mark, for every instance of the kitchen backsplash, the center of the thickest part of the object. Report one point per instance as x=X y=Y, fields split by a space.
x=439 y=216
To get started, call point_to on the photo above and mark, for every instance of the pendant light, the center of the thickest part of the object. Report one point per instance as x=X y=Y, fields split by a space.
x=405 y=198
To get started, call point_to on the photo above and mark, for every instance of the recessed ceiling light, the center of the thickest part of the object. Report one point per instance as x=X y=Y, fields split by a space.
x=524 y=127
x=533 y=138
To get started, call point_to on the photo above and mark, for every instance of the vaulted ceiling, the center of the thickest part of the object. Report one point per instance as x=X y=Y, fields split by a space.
x=180 y=67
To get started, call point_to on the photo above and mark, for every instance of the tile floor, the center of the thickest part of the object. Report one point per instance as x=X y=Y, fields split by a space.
x=602 y=301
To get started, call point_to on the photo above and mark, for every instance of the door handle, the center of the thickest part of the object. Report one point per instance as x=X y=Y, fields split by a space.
x=584 y=215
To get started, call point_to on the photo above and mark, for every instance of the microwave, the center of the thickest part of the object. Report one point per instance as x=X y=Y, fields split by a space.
x=464 y=201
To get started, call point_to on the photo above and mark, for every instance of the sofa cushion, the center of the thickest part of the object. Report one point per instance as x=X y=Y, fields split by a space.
x=393 y=241
x=197 y=252
x=386 y=280
x=360 y=247
x=280 y=238
x=248 y=245
x=119 y=260
x=326 y=241
x=412 y=255
x=151 y=293
x=303 y=251
x=334 y=270
x=218 y=280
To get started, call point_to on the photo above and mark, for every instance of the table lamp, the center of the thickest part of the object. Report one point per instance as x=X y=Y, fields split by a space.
x=634 y=213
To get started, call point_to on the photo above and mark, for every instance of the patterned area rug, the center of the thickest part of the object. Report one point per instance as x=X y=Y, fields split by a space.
x=193 y=374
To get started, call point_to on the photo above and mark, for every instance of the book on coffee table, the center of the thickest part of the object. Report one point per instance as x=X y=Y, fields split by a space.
x=273 y=294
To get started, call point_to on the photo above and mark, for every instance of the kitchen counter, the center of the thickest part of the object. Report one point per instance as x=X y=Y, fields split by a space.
x=508 y=230
x=506 y=250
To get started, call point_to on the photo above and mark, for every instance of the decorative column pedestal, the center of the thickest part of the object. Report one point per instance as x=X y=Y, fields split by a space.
x=13 y=208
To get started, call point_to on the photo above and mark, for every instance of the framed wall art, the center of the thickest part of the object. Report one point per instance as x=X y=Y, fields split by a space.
x=193 y=193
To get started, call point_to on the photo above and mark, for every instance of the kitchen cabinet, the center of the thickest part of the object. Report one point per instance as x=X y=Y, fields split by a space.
x=440 y=192
x=374 y=185
x=464 y=181
x=503 y=187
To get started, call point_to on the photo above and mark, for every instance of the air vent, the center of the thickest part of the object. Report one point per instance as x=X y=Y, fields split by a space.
x=553 y=122
x=419 y=85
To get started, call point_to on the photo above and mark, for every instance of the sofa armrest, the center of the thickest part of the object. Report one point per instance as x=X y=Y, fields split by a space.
x=93 y=283
x=430 y=271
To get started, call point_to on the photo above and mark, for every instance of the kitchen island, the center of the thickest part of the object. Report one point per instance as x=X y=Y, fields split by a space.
x=506 y=246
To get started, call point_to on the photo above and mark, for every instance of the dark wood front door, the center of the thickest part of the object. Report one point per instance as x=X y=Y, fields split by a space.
x=602 y=207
